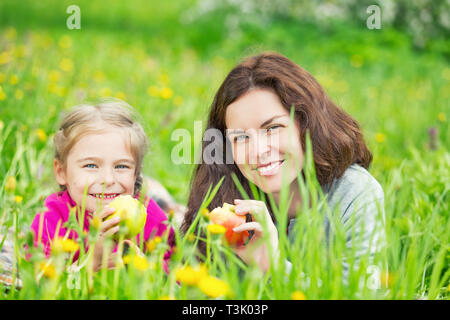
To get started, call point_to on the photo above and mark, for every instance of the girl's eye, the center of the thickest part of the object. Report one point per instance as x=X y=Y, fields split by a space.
x=90 y=166
x=240 y=138
x=122 y=166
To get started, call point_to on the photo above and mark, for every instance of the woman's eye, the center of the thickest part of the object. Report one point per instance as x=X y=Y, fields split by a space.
x=90 y=166
x=273 y=128
x=240 y=138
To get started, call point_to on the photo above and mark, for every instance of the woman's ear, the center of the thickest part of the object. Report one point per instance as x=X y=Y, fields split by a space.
x=60 y=173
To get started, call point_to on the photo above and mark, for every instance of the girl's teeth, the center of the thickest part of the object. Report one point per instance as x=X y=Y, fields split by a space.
x=99 y=195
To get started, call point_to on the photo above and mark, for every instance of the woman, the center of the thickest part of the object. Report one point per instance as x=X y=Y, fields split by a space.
x=252 y=111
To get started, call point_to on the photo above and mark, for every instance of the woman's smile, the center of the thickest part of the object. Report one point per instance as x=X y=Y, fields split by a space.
x=270 y=168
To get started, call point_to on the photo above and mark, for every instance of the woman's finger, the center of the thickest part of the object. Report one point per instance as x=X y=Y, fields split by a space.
x=249 y=226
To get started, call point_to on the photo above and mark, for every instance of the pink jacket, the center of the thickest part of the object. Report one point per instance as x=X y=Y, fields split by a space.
x=57 y=214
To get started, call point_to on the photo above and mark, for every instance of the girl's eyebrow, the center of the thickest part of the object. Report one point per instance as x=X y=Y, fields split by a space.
x=88 y=159
x=131 y=161
x=99 y=160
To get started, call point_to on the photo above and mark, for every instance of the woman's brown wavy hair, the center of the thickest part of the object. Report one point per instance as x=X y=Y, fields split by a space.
x=336 y=138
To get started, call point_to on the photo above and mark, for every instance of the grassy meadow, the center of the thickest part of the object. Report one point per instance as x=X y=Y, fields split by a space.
x=167 y=59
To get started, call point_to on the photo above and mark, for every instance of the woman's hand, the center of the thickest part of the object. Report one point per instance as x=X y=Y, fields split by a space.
x=107 y=229
x=257 y=249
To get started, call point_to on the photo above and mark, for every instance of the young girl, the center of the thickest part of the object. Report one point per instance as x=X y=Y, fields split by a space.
x=100 y=147
x=252 y=111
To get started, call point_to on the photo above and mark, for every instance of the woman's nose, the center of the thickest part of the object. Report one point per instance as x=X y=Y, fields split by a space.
x=259 y=148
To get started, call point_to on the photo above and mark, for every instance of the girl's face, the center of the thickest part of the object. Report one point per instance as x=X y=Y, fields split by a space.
x=101 y=161
x=266 y=143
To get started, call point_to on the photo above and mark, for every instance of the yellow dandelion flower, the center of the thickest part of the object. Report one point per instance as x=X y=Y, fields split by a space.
x=298 y=295
x=380 y=137
x=65 y=42
x=42 y=136
x=18 y=94
x=11 y=184
x=164 y=78
x=10 y=33
x=387 y=279
x=213 y=287
x=105 y=92
x=167 y=298
x=441 y=117
x=120 y=95
x=98 y=76
x=205 y=212
x=177 y=101
x=2 y=77
x=190 y=276
x=2 y=94
x=5 y=57
x=152 y=243
x=54 y=76
x=166 y=93
x=356 y=61
x=153 y=91
x=20 y=51
x=14 y=79
x=64 y=245
x=341 y=86
x=96 y=222
x=126 y=259
x=18 y=199
x=66 y=65
x=216 y=229
x=446 y=74
x=140 y=263
x=47 y=269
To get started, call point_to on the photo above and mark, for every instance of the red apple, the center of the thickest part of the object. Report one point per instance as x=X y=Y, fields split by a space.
x=226 y=217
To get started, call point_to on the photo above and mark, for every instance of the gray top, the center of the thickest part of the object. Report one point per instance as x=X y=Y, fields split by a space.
x=355 y=192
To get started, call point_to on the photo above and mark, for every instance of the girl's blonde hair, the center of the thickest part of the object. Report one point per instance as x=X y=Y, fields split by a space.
x=84 y=119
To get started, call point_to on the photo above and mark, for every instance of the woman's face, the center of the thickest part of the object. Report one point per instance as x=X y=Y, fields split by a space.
x=266 y=143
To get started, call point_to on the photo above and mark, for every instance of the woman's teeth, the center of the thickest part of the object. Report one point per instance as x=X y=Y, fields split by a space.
x=269 y=168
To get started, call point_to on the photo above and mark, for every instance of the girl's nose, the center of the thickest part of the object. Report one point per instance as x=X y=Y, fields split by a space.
x=108 y=177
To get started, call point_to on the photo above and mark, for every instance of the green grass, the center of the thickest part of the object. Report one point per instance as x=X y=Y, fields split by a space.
x=395 y=93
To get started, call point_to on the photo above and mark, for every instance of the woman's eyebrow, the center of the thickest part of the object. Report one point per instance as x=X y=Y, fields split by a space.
x=265 y=123
x=235 y=131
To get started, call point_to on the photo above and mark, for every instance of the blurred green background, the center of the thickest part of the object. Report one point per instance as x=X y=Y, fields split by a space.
x=167 y=59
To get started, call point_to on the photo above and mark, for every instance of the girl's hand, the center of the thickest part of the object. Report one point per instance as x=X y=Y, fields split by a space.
x=107 y=229
x=257 y=249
